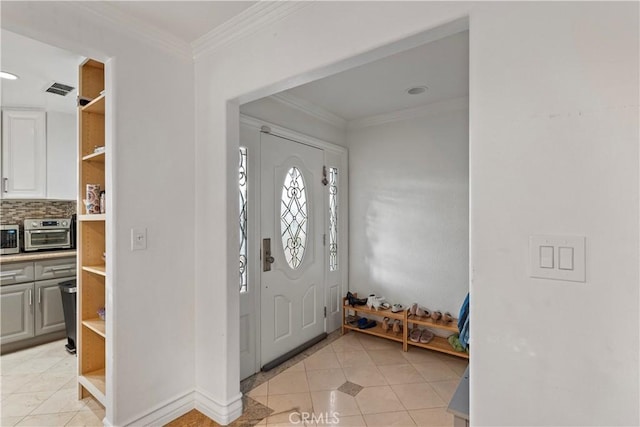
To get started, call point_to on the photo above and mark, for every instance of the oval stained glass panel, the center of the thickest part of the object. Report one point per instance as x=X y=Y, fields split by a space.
x=293 y=217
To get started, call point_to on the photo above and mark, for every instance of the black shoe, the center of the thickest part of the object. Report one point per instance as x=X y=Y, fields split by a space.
x=353 y=301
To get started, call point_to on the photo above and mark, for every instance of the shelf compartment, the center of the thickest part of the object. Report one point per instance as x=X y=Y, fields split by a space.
x=430 y=323
x=91 y=236
x=92 y=131
x=96 y=325
x=94 y=157
x=377 y=331
x=91 y=79
x=94 y=382
x=100 y=270
x=92 y=217
x=92 y=292
x=440 y=344
x=92 y=347
x=96 y=106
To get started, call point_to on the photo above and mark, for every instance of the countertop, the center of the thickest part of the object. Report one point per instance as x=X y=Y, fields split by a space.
x=37 y=256
x=459 y=405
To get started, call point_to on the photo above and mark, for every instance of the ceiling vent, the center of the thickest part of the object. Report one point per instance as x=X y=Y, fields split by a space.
x=59 y=89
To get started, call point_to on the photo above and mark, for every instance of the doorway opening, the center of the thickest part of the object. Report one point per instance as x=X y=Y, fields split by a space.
x=403 y=119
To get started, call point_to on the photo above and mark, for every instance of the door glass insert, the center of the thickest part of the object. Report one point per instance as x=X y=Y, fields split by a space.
x=242 y=185
x=333 y=219
x=293 y=217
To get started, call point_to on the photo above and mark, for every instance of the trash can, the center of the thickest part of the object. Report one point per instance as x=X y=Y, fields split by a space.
x=68 y=291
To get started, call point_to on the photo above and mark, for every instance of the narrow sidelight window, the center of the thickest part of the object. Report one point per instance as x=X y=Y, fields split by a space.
x=242 y=185
x=333 y=219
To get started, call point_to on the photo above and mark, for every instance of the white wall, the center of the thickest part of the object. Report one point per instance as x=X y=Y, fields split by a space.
x=409 y=209
x=62 y=153
x=554 y=150
x=554 y=131
x=150 y=294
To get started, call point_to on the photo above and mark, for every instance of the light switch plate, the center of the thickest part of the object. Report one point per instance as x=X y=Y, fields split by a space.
x=138 y=239
x=568 y=257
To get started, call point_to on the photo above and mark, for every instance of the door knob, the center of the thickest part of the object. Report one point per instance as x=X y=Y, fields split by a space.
x=271 y=259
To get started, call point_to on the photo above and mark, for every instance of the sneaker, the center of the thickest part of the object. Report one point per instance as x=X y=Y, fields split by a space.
x=395 y=308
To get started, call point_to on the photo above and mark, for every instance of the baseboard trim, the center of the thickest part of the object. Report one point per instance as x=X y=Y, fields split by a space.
x=222 y=413
x=167 y=411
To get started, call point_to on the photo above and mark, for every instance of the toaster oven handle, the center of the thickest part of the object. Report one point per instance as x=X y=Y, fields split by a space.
x=5 y=186
x=47 y=231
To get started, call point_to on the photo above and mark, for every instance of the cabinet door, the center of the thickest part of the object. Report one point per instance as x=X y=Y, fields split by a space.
x=24 y=151
x=49 y=313
x=17 y=308
x=62 y=155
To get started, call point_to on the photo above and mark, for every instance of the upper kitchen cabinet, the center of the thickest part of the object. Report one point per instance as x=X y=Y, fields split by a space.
x=24 y=154
x=38 y=150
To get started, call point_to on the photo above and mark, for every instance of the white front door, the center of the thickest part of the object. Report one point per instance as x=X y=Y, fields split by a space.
x=292 y=224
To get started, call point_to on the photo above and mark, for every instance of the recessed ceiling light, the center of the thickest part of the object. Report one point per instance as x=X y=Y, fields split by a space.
x=8 y=76
x=416 y=90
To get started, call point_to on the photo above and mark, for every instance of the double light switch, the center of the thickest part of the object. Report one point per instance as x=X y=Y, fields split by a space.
x=557 y=257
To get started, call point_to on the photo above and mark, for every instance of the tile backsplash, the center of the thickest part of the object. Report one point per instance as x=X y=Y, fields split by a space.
x=16 y=211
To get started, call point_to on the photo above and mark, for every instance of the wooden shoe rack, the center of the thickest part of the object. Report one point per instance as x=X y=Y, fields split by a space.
x=438 y=343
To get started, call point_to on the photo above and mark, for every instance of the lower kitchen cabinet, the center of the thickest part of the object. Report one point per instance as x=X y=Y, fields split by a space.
x=16 y=306
x=30 y=309
x=34 y=308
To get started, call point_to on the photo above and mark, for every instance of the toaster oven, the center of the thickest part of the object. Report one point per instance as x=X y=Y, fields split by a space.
x=47 y=233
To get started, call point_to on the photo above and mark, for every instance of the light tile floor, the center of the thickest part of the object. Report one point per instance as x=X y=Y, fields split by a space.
x=397 y=388
x=39 y=388
x=365 y=380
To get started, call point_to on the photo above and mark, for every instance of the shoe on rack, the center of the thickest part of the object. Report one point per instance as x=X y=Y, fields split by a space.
x=353 y=300
x=352 y=320
x=396 y=308
x=385 y=324
x=368 y=325
x=362 y=321
x=426 y=336
x=422 y=312
x=414 y=336
x=397 y=326
x=374 y=302
x=413 y=309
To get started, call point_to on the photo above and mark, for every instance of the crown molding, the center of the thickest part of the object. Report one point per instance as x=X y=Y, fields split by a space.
x=448 y=105
x=250 y=20
x=121 y=22
x=310 y=109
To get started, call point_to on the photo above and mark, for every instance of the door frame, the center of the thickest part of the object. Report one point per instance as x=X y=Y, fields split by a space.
x=334 y=156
